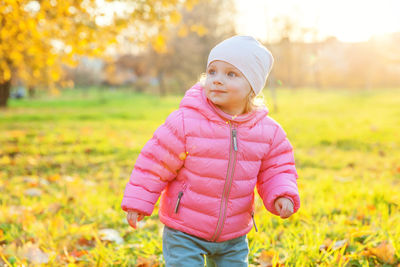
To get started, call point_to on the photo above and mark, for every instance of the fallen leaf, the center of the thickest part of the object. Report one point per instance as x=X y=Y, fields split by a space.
x=147 y=262
x=69 y=178
x=33 y=192
x=33 y=254
x=2 y=238
x=32 y=161
x=43 y=182
x=31 y=181
x=110 y=235
x=266 y=258
x=327 y=245
x=339 y=244
x=78 y=253
x=54 y=207
x=327 y=242
x=5 y=160
x=86 y=242
x=342 y=260
x=385 y=252
x=53 y=178
x=360 y=216
x=269 y=258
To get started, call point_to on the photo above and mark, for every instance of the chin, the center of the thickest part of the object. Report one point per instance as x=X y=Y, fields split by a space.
x=216 y=100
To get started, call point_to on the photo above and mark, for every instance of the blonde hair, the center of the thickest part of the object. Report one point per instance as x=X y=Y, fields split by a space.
x=253 y=101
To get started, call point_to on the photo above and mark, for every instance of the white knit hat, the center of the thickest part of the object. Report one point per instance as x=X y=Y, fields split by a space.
x=248 y=55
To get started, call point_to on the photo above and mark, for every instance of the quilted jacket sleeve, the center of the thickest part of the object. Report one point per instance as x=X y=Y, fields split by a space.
x=277 y=176
x=157 y=164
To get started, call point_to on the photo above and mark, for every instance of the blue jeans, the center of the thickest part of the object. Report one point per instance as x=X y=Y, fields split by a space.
x=184 y=250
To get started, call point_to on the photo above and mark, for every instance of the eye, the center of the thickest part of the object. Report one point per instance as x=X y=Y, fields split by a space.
x=232 y=74
x=211 y=71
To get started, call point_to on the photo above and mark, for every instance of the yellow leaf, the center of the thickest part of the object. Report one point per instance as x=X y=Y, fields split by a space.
x=175 y=17
x=199 y=29
x=50 y=61
x=22 y=25
x=55 y=75
x=20 y=38
x=183 y=31
x=54 y=178
x=5 y=160
x=269 y=258
x=97 y=51
x=31 y=24
x=385 y=252
x=6 y=74
x=41 y=16
x=165 y=3
x=36 y=74
x=159 y=44
x=189 y=5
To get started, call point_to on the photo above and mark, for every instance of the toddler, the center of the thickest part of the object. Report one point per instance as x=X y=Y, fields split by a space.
x=207 y=158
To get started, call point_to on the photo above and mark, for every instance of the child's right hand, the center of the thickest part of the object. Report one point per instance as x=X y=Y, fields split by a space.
x=132 y=216
x=284 y=207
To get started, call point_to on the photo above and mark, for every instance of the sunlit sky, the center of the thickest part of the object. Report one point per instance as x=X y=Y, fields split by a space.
x=347 y=20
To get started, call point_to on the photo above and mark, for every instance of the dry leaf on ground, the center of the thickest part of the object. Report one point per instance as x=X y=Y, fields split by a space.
x=110 y=235
x=384 y=252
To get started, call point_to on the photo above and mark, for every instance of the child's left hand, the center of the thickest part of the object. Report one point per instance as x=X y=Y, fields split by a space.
x=284 y=207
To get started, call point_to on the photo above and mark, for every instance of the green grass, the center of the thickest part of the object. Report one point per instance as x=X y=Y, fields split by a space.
x=79 y=148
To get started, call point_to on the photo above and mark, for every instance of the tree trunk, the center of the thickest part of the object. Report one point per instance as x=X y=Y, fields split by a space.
x=4 y=93
x=31 y=91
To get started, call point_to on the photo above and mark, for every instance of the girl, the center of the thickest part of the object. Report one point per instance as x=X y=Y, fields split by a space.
x=207 y=158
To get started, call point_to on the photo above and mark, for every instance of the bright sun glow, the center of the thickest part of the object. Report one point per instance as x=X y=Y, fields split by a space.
x=348 y=20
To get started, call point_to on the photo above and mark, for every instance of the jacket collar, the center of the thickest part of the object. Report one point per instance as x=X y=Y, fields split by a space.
x=195 y=98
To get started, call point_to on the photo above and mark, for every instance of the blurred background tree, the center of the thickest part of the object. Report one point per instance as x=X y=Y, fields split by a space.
x=38 y=37
x=161 y=47
x=183 y=58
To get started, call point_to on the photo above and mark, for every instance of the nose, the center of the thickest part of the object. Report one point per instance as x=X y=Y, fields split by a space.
x=218 y=80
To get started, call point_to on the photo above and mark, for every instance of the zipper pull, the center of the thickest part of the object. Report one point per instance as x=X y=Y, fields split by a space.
x=235 y=147
x=178 y=201
x=254 y=221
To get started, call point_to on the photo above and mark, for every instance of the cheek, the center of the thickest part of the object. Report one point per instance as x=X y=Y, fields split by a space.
x=207 y=86
x=244 y=91
x=239 y=93
x=207 y=90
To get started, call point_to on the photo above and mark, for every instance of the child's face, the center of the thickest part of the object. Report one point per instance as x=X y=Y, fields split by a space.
x=226 y=87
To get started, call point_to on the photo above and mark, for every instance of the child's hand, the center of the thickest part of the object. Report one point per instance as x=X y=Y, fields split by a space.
x=132 y=216
x=284 y=207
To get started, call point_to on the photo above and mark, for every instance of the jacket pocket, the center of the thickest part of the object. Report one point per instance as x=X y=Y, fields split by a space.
x=178 y=201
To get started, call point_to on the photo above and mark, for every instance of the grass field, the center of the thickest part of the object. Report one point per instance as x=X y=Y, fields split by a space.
x=64 y=163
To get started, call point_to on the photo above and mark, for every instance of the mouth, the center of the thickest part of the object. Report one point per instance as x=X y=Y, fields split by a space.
x=217 y=91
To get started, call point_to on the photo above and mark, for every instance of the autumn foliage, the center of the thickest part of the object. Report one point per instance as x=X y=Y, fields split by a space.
x=37 y=38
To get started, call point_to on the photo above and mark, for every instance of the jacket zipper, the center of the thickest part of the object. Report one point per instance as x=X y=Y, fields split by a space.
x=178 y=201
x=233 y=148
x=254 y=221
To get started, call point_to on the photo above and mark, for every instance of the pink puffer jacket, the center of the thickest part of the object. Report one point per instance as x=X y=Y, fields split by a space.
x=206 y=164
